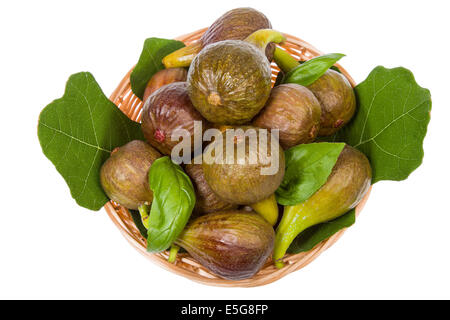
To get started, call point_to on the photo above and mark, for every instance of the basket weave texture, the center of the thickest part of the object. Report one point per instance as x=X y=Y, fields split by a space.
x=185 y=265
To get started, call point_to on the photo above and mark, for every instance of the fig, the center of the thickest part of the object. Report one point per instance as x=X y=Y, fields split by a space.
x=267 y=208
x=124 y=175
x=167 y=110
x=232 y=244
x=245 y=175
x=236 y=24
x=206 y=199
x=337 y=99
x=295 y=111
x=229 y=81
x=163 y=77
x=347 y=184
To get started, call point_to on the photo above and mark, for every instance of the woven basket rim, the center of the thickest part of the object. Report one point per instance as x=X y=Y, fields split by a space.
x=185 y=265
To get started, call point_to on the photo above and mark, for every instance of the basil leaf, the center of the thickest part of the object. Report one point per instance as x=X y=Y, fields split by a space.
x=280 y=76
x=150 y=62
x=77 y=133
x=173 y=202
x=390 y=124
x=312 y=236
x=307 y=169
x=311 y=70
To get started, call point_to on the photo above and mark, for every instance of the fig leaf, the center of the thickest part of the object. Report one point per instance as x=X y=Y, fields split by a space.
x=173 y=202
x=390 y=123
x=150 y=62
x=312 y=236
x=77 y=133
x=307 y=169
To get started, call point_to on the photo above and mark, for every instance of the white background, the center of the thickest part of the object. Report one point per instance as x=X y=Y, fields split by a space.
x=51 y=248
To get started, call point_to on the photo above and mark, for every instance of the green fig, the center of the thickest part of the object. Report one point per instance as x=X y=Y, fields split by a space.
x=241 y=180
x=232 y=244
x=229 y=81
x=124 y=175
x=267 y=208
x=236 y=24
x=294 y=111
x=337 y=99
x=245 y=174
x=347 y=184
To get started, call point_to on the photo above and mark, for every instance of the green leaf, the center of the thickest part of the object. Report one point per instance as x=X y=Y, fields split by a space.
x=280 y=78
x=138 y=222
x=173 y=202
x=311 y=70
x=307 y=169
x=77 y=133
x=335 y=69
x=309 y=238
x=150 y=62
x=390 y=124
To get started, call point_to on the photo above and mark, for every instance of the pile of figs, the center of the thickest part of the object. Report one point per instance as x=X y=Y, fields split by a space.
x=224 y=81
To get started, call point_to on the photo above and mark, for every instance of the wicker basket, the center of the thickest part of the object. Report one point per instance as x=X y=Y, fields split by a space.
x=185 y=265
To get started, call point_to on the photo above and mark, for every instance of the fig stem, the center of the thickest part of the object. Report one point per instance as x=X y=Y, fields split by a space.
x=284 y=60
x=182 y=57
x=144 y=212
x=268 y=209
x=261 y=38
x=279 y=264
x=173 y=253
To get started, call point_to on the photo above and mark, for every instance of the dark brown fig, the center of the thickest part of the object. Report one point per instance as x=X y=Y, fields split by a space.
x=242 y=173
x=163 y=77
x=295 y=111
x=167 y=111
x=232 y=244
x=236 y=24
x=124 y=175
x=337 y=98
x=206 y=200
